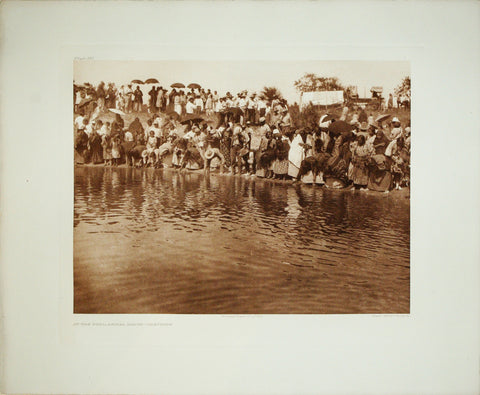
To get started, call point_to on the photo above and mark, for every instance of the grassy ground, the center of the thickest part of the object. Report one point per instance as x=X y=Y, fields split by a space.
x=403 y=116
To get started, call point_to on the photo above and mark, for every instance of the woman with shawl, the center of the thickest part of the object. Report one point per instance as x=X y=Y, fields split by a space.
x=379 y=174
x=360 y=157
x=95 y=143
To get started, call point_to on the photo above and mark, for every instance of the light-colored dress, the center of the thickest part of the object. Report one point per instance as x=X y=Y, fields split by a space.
x=115 y=149
x=295 y=156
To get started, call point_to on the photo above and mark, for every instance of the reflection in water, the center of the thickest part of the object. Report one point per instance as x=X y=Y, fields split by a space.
x=158 y=241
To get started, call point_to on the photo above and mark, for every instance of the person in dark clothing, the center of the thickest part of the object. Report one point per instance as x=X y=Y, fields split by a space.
x=100 y=93
x=96 y=149
x=117 y=126
x=138 y=100
x=136 y=128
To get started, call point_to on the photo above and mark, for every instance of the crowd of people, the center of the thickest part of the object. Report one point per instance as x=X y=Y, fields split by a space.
x=182 y=102
x=237 y=135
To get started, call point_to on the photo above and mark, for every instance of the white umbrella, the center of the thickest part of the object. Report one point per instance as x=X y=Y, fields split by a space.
x=114 y=110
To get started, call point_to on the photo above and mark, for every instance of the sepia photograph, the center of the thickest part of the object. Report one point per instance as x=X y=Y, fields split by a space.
x=236 y=187
x=235 y=210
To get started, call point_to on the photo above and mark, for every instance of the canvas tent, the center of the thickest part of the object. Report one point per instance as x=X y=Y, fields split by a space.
x=324 y=98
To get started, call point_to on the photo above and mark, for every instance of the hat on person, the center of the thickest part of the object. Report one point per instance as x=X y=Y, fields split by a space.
x=262 y=119
x=209 y=154
x=276 y=131
x=395 y=119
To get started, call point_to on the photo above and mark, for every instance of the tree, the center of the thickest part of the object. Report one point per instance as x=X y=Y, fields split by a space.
x=404 y=88
x=306 y=117
x=312 y=83
x=270 y=93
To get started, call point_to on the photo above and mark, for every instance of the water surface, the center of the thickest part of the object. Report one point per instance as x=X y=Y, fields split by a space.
x=157 y=241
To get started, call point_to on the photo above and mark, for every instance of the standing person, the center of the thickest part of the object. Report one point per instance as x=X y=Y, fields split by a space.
x=220 y=110
x=120 y=103
x=285 y=122
x=400 y=156
x=226 y=143
x=183 y=103
x=138 y=100
x=159 y=99
x=129 y=98
x=81 y=145
x=390 y=101
x=209 y=105
x=280 y=166
x=110 y=99
x=361 y=154
x=237 y=144
x=255 y=141
x=95 y=143
x=151 y=100
x=263 y=158
x=198 y=105
x=116 y=143
x=262 y=108
x=177 y=106
x=242 y=105
x=154 y=102
x=117 y=125
x=296 y=154
x=251 y=105
x=215 y=98
x=107 y=149
x=101 y=96
x=171 y=99
x=343 y=117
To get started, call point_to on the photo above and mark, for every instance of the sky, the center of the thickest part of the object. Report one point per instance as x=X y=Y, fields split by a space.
x=235 y=76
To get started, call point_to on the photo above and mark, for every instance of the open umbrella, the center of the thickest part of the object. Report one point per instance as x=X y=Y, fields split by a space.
x=151 y=81
x=115 y=111
x=326 y=118
x=194 y=86
x=191 y=118
x=234 y=111
x=85 y=101
x=173 y=115
x=177 y=85
x=382 y=117
x=340 y=127
x=137 y=82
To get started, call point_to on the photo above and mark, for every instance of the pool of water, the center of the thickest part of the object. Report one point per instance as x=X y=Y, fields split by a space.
x=159 y=241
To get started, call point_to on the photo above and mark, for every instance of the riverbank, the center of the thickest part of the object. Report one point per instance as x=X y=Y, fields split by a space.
x=403 y=193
